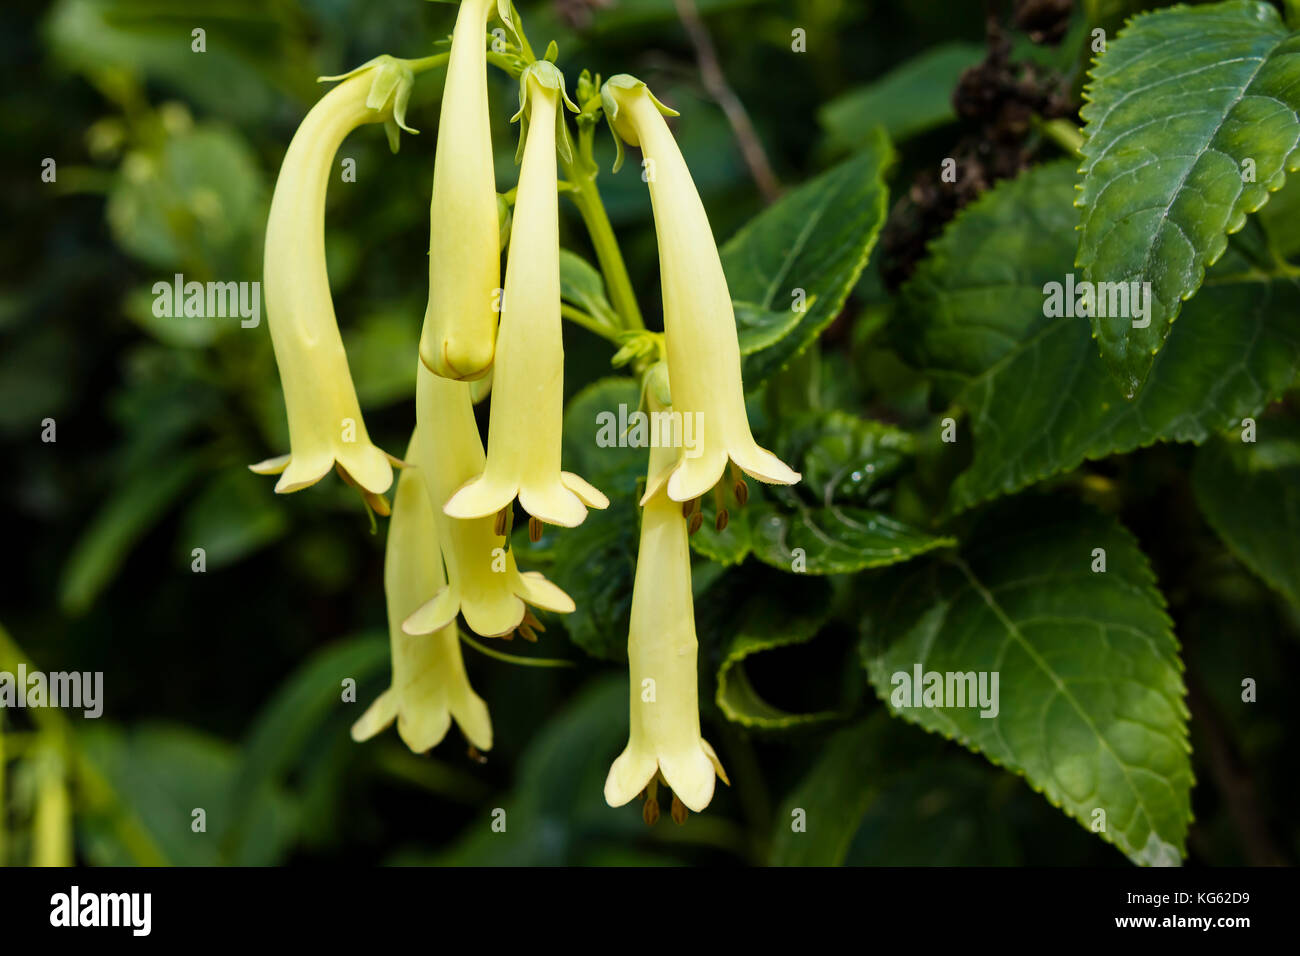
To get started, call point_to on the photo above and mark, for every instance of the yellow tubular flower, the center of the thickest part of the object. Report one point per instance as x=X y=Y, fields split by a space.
x=483 y=582
x=429 y=686
x=325 y=423
x=699 y=323
x=661 y=652
x=464 y=241
x=523 y=455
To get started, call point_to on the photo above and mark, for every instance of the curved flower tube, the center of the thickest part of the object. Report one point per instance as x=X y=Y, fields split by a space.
x=429 y=687
x=483 y=582
x=661 y=651
x=460 y=320
x=523 y=456
x=699 y=322
x=325 y=424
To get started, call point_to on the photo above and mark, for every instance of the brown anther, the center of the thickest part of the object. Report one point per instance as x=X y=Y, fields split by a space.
x=531 y=620
x=508 y=636
x=687 y=508
x=650 y=811
x=720 y=522
x=534 y=529
x=697 y=519
x=474 y=755
x=680 y=813
x=499 y=526
x=527 y=634
x=741 y=491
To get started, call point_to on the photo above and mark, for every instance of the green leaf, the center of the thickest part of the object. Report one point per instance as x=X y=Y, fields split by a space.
x=596 y=561
x=836 y=540
x=832 y=798
x=582 y=285
x=1038 y=397
x=770 y=619
x=911 y=98
x=1250 y=494
x=308 y=703
x=160 y=775
x=133 y=508
x=1089 y=707
x=230 y=518
x=817 y=239
x=758 y=328
x=835 y=520
x=1179 y=102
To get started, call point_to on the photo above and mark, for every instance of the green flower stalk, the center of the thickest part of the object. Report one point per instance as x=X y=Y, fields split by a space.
x=460 y=320
x=524 y=434
x=483 y=582
x=429 y=687
x=326 y=428
x=662 y=648
x=699 y=321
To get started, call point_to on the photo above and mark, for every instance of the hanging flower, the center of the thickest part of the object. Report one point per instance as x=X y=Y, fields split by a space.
x=429 y=686
x=699 y=323
x=523 y=456
x=665 y=741
x=325 y=424
x=483 y=582
x=464 y=236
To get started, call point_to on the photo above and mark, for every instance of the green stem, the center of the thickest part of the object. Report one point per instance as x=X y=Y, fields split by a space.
x=586 y=197
x=1064 y=134
x=428 y=62
x=1292 y=14
x=588 y=322
x=515 y=658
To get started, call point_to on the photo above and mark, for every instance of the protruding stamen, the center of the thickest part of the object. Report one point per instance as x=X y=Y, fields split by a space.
x=687 y=508
x=696 y=521
x=508 y=636
x=531 y=620
x=650 y=811
x=499 y=526
x=720 y=522
x=474 y=754
x=527 y=634
x=719 y=508
x=679 y=811
x=534 y=529
x=738 y=486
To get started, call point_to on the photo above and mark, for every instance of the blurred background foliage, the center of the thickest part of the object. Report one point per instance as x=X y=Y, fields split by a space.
x=222 y=688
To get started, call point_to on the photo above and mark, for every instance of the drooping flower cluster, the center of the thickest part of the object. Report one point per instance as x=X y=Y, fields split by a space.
x=448 y=555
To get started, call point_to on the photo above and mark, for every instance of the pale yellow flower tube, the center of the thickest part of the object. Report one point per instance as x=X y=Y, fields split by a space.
x=464 y=241
x=524 y=433
x=325 y=423
x=483 y=582
x=661 y=653
x=429 y=687
x=699 y=322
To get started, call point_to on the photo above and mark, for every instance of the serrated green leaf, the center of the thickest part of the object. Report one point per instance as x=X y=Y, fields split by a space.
x=1038 y=397
x=817 y=238
x=909 y=99
x=768 y=621
x=1250 y=494
x=836 y=540
x=835 y=520
x=1089 y=706
x=1180 y=102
